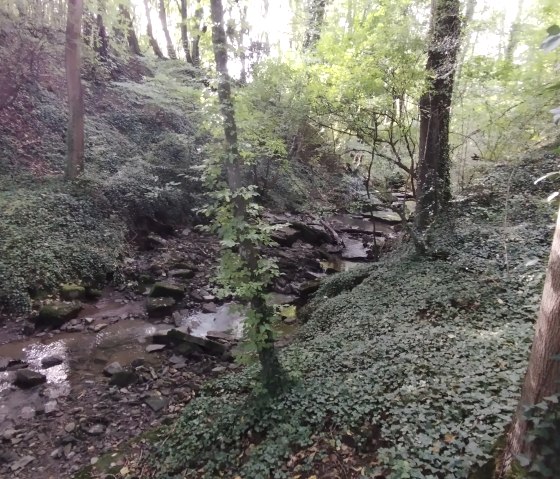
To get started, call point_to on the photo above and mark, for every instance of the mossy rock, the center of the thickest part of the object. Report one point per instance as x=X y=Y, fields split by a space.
x=71 y=291
x=56 y=314
x=159 y=306
x=167 y=290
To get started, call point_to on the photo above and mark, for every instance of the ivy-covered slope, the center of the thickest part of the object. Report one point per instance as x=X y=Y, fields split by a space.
x=409 y=368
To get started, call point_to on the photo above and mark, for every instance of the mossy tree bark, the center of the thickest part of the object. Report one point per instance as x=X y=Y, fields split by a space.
x=233 y=168
x=542 y=378
x=434 y=185
x=75 y=132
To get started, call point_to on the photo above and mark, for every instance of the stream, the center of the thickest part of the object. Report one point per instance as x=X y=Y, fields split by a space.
x=52 y=428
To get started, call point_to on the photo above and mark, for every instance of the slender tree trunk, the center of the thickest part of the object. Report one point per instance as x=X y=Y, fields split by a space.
x=233 y=164
x=434 y=185
x=149 y=31
x=316 y=12
x=131 y=37
x=75 y=133
x=543 y=372
x=513 y=38
x=163 y=19
x=101 y=39
x=201 y=28
x=185 y=33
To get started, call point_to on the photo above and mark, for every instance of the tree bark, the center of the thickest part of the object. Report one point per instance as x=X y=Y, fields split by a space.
x=513 y=37
x=233 y=165
x=201 y=28
x=131 y=37
x=75 y=132
x=101 y=39
x=434 y=185
x=316 y=13
x=542 y=378
x=149 y=31
x=163 y=19
x=185 y=33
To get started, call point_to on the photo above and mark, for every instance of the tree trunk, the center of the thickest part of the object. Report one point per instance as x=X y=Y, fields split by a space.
x=131 y=37
x=163 y=19
x=513 y=37
x=101 y=40
x=233 y=164
x=201 y=28
x=434 y=185
x=316 y=12
x=185 y=33
x=149 y=31
x=75 y=133
x=543 y=372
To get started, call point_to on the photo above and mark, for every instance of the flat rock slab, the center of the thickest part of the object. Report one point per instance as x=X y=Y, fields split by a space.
x=152 y=348
x=387 y=215
x=156 y=402
x=26 y=378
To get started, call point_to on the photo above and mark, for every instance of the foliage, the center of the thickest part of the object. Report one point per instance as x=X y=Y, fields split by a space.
x=428 y=383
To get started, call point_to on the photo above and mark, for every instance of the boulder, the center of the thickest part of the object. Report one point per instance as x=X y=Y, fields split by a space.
x=157 y=307
x=285 y=235
x=312 y=234
x=26 y=378
x=71 y=291
x=164 y=289
x=50 y=361
x=93 y=293
x=56 y=314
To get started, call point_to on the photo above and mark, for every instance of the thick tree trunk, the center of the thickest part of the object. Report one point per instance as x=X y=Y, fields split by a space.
x=316 y=13
x=149 y=31
x=75 y=133
x=131 y=37
x=233 y=163
x=163 y=19
x=434 y=185
x=543 y=372
x=185 y=33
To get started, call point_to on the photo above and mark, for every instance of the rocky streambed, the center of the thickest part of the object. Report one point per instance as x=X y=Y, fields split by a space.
x=79 y=381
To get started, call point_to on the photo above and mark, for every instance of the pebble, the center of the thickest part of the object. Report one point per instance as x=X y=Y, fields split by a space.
x=27 y=412
x=70 y=427
x=96 y=430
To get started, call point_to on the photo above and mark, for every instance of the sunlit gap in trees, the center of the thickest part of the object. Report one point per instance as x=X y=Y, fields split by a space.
x=274 y=25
